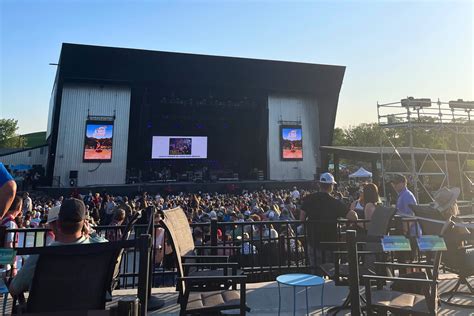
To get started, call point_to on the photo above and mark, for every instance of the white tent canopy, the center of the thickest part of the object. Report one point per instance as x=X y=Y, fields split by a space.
x=361 y=173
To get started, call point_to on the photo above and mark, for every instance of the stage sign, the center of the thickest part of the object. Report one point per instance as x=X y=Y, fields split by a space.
x=98 y=141
x=291 y=142
x=395 y=243
x=431 y=243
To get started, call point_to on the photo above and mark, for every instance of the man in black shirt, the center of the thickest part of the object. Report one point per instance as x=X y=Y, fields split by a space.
x=321 y=210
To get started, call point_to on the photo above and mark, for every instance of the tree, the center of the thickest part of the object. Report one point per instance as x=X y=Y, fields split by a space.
x=369 y=135
x=338 y=137
x=8 y=136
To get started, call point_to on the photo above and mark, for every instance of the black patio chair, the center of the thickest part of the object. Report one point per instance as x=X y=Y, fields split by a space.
x=71 y=278
x=192 y=300
x=126 y=233
x=383 y=300
x=197 y=265
x=369 y=247
x=369 y=251
x=453 y=260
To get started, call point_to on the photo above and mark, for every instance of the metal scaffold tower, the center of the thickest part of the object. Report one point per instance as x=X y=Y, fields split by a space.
x=428 y=169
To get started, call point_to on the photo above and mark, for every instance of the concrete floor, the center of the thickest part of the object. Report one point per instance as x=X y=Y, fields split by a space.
x=262 y=298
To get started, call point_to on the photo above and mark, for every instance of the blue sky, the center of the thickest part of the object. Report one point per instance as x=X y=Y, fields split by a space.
x=392 y=49
x=286 y=131
x=92 y=127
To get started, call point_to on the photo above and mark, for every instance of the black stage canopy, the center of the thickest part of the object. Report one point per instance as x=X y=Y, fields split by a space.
x=184 y=81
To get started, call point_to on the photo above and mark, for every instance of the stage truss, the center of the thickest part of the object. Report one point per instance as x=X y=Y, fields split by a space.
x=443 y=118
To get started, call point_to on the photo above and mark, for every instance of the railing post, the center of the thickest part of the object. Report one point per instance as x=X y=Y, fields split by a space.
x=128 y=307
x=353 y=259
x=214 y=236
x=154 y=303
x=144 y=272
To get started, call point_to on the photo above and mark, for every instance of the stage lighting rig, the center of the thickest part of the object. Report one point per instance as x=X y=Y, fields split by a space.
x=460 y=104
x=416 y=104
x=467 y=106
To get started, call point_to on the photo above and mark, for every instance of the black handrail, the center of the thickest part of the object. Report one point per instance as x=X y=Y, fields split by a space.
x=263 y=255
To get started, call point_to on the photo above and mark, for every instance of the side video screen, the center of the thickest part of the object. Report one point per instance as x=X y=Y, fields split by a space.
x=98 y=141
x=291 y=142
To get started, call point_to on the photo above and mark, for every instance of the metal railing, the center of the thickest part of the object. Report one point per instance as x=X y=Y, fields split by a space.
x=263 y=249
x=272 y=248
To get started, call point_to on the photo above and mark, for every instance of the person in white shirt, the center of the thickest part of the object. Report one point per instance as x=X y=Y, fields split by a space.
x=109 y=208
x=295 y=194
x=27 y=203
x=11 y=239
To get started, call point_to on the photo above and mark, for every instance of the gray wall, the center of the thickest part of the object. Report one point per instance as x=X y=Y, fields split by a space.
x=52 y=101
x=36 y=156
x=102 y=100
x=292 y=108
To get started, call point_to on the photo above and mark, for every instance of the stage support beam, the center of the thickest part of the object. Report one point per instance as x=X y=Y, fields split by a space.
x=375 y=173
x=336 y=167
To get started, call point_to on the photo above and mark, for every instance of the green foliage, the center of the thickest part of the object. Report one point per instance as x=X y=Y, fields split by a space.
x=338 y=137
x=8 y=136
x=371 y=135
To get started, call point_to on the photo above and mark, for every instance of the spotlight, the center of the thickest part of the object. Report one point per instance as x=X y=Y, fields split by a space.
x=460 y=104
x=411 y=102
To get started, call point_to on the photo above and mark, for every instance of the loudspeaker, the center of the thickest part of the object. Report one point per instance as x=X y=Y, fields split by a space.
x=73 y=174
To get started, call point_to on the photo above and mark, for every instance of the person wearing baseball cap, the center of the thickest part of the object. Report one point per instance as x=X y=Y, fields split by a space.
x=321 y=210
x=67 y=222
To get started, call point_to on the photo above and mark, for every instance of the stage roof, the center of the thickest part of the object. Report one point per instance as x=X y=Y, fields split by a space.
x=371 y=153
x=99 y=63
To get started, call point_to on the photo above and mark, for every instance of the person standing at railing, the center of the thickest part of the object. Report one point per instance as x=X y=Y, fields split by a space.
x=11 y=239
x=27 y=204
x=7 y=190
x=321 y=210
x=405 y=199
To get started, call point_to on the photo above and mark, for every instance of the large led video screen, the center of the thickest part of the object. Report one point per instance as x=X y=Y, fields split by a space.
x=179 y=147
x=291 y=142
x=98 y=141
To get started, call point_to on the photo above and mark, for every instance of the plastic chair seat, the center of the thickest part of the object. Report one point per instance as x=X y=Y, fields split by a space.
x=213 y=300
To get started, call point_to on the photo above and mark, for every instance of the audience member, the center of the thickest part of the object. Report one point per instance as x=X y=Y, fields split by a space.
x=7 y=190
x=321 y=210
x=68 y=230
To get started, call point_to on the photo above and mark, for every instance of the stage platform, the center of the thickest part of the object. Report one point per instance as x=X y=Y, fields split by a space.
x=176 y=187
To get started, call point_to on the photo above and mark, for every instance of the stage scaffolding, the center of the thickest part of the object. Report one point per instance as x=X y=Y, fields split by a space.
x=448 y=120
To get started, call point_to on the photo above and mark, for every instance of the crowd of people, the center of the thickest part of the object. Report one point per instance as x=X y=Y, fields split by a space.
x=72 y=219
x=104 y=208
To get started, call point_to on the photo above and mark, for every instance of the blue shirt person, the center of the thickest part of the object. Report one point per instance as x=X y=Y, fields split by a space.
x=7 y=190
x=405 y=199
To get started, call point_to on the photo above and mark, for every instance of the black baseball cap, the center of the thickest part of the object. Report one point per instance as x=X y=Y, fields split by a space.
x=72 y=210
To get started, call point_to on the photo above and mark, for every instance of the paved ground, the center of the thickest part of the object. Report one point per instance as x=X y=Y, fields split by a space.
x=263 y=299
